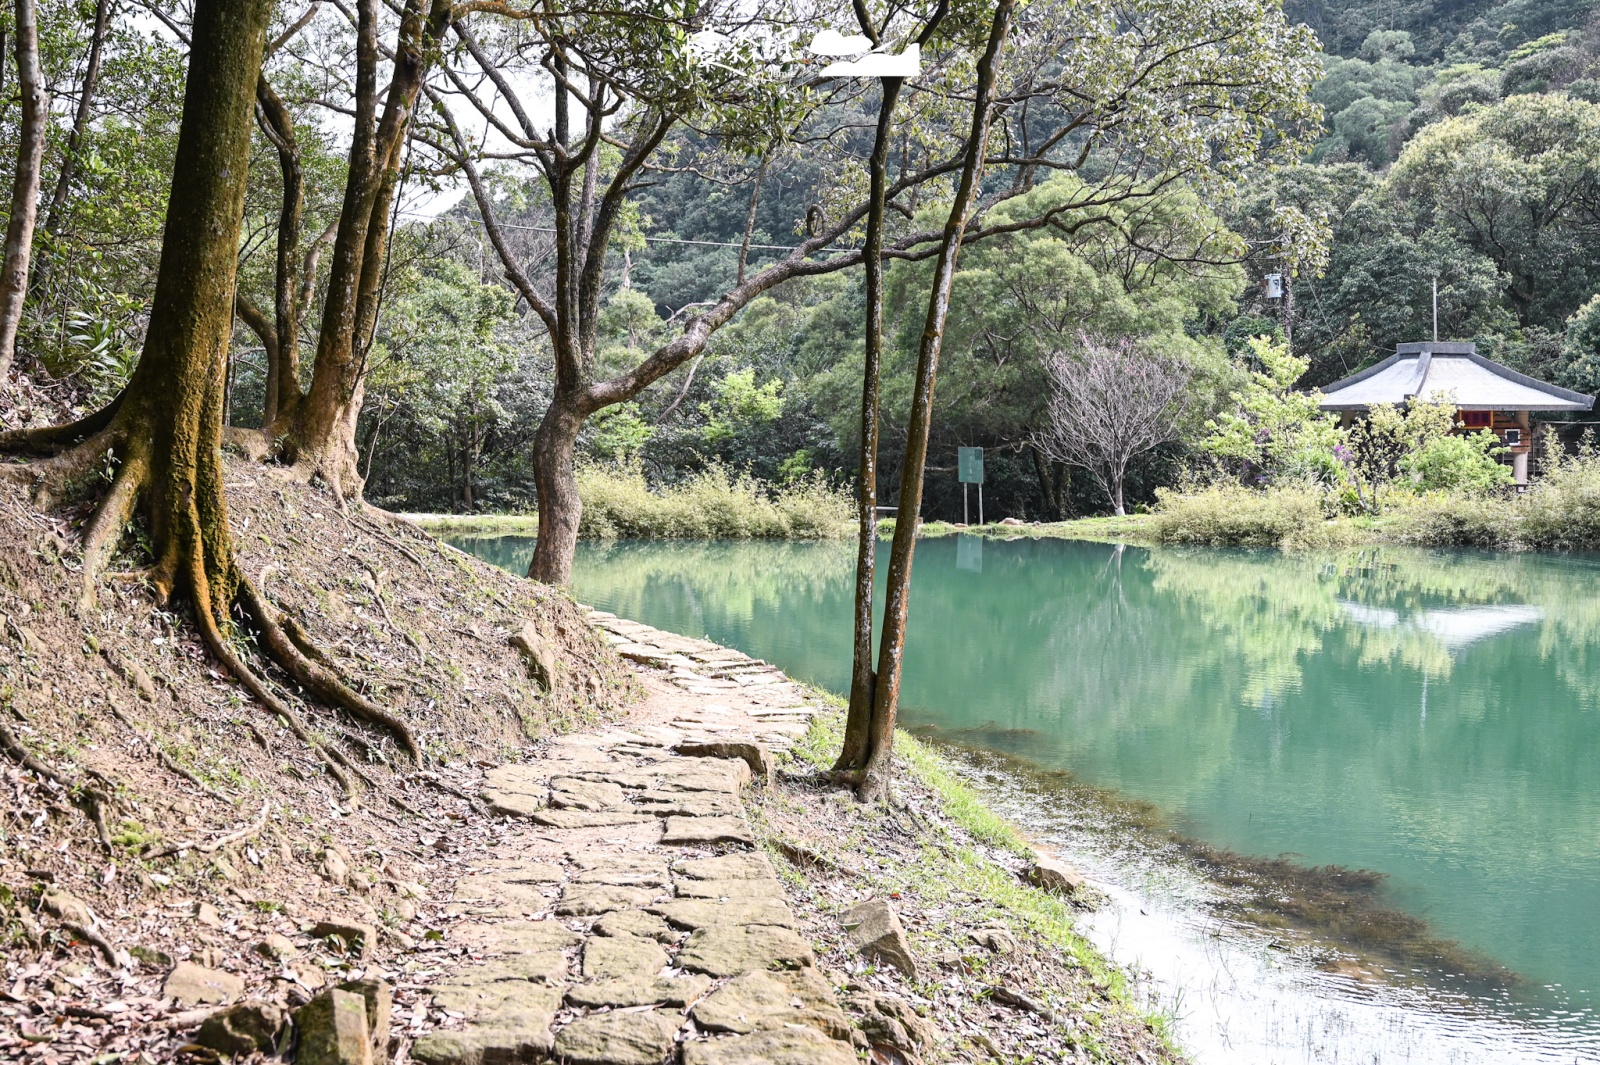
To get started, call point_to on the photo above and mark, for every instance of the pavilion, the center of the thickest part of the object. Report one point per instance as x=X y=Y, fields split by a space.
x=1486 y=394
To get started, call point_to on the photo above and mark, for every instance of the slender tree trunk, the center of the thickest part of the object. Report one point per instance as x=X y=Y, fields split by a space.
x=886 y=694
x=1116 y=493
x=560 y=509
x=857 y=740
x=321 y=438
x=1047 y=488
x=80 y=123
x=283 y=354
x=25 y=187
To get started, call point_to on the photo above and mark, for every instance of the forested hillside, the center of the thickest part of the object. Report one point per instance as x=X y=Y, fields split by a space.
x=1457 y=141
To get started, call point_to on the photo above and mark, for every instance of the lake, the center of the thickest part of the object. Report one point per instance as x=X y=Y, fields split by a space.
x=1257 y=718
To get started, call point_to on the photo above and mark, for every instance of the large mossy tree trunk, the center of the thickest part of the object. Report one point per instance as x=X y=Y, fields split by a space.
x=877 y=770
x=34 y=129
x=163 y=433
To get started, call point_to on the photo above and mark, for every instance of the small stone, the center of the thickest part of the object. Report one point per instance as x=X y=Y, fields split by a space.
x=224 y=868
x=332 y=1030
x=685 y=831
x=379 y=998
x=736 y=866
x=333 y=868
x=207 y=915
x=541 y=967
x=277 y=948
x=360 y=883
x=1052 y=874
x=66 y=906
x=487 y=888
x=150 y=957
x=513 y=871
x=194 y=985
x=634 y=923
x=728 y=951
x=755 y=1001
x=571 y=793
x=586 y=819
x=700 y=913
x=875 y=931
x=997 y=940
x=357 y=937
x=629 y=992
x=615 y=957
x=242 y=1029
x=515 y=790
x=787 y=1046
x=617 y=1039
x=588 y=900
x=544 y=664
x=890 y=1019
x=753 y=755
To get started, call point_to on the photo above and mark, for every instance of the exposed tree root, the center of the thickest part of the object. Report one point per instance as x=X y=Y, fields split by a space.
x=94 y=939
x=162 y=756
x=317 y=673
x=88 y=798
x=211 y=847
x=47 y=439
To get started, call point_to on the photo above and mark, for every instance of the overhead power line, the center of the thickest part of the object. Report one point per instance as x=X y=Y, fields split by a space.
x=647 y=240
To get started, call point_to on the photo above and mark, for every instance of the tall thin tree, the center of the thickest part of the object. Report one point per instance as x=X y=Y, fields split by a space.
x=25 y=185
x=878 y=769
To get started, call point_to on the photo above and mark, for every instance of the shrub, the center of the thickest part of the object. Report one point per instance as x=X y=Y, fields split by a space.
x=1235 y=516
x=711 y=505
x=1562 y=509
x=1441 y=519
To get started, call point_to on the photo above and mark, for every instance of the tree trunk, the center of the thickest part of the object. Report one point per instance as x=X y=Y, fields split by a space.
x=1047 y=486
x=560 y=509
x=283 y=354
x=321 y=436
x=165 y=429
x=80 y=120
x=25 y=187
x=1116 y=494
x=853 y=755
x=886 y=695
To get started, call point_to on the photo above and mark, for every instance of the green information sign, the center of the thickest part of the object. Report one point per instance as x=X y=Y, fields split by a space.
x=969 y=465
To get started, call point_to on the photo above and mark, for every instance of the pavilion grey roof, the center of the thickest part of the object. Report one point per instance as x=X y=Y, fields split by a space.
x=1454 y=372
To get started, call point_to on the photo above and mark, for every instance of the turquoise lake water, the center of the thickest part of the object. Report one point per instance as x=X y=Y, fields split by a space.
x=1431 y=716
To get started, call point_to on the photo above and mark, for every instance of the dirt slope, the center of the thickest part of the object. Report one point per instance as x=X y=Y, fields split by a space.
x=122 y=702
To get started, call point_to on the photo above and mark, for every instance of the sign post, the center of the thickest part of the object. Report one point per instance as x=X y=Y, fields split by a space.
x=969 y=470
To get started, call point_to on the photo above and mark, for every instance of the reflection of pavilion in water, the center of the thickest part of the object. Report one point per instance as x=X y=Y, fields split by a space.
x=1454 y=627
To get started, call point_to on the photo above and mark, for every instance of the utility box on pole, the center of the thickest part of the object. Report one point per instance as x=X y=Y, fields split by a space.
x=969 y=470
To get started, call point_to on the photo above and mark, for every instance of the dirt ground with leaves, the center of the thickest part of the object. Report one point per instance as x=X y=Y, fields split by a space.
x=192 y=825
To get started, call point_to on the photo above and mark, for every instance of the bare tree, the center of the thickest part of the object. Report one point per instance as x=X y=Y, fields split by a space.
x=1110 y=402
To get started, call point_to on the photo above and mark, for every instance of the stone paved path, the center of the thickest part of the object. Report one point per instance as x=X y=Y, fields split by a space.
x=633 y=920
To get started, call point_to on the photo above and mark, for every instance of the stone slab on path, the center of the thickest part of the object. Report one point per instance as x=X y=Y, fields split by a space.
x=624 y=910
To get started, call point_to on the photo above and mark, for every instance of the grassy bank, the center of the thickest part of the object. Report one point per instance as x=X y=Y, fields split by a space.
x=715 y=504
x=1000 y=964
